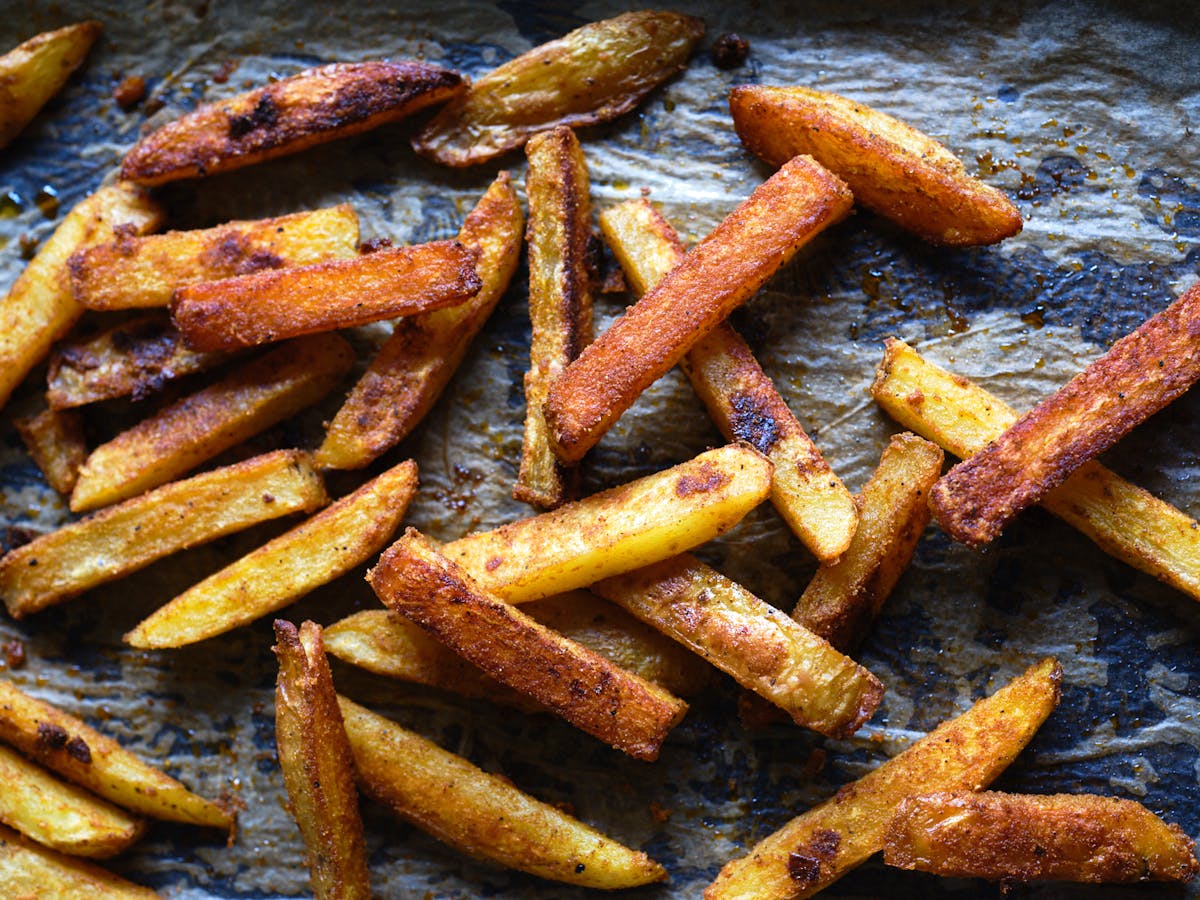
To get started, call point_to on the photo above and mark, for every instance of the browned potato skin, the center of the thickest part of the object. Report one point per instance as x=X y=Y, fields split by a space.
x=54 y=439
x=282 y=303
x=633 y=715
x=317 y=765
x=33 y=72
x=33 y=872
x=1022 y=837
x=1139 y=375
x=718 y=275
x=592 y=74
x=893 y=169
x=309 y=108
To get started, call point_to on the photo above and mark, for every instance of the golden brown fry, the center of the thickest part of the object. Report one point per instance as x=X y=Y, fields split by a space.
x=592 y=74
x=411 y=369
x=54 y=439
x=1139 y=375
x=718 y=275
x=36 y=70
x=281 y=303
x=144 y=271
x=965 y=753
x=191 y=431
x=309 y=108
x=39 y=308
x=129 y=536
x=317 y=766
x=560 y=297
x=739 y=396
x=31 y=872
x=1022 y=837
x=892 y=168
x=584 y=688
x=315 y=552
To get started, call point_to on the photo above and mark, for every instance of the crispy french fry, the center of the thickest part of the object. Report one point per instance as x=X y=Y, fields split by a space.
x=317 y=766
x=1022 y=837
x=54 y=439
x=764 y=650
x=739 y=396
x=193 y=430
x=309 y=108
x=1139 y=375
x=33 y=72
x=30 y=871
x=39 y=308
x=411 y=369
x=482 y=814
x=341 y=293
x=129 y=536
x=892 y=168
x=592 y=74
x=617 y=530
x=1123 y=519
x=718 y=275
x=144 y=271
x=560 y=297
x=78 y=752
x=315 y=552
x=584 y=688
x=965 y=753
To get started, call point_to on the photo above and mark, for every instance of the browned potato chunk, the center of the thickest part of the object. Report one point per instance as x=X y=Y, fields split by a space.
x=35 y=71
x=54 y=439
x=33 y=872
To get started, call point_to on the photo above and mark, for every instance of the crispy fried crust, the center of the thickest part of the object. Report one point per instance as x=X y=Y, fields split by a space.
x=33 y=72
x=312 y=107
x=54 y=439
x=33 y=872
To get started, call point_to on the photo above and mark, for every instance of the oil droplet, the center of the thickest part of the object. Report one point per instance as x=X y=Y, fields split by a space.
x=669 y=105
x=1035 y=317
x=621 y=185
x=47 y=201
x=28 y=247
x=1130 y=171
x=10 y=205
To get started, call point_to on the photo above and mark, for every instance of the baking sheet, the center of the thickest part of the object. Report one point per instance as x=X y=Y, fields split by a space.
x=1084 y=112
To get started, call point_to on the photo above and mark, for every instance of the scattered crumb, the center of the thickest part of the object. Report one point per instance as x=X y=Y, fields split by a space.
x=130 y=92
x=729 y=51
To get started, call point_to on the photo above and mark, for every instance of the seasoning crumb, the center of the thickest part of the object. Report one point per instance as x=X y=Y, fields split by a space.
x=78 y=749
x=14 y=654
x=374 y=244
x=51 y=736
x=130 y=92
x=729 y=51
x=659 y=813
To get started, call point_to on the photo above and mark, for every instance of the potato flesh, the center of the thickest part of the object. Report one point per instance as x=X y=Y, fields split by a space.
x=33 y=72
x=33 y=872
x=55 y=440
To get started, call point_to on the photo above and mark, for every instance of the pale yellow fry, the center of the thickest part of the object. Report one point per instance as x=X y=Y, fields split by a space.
x=33 y=72
x=31 y=872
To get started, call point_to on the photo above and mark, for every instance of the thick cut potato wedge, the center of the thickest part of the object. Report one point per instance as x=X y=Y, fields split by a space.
x=1123 y=519
x=411 y=369
x=893 y=169
x=1139 y=375
x=560 y=297
x=144 y=271
x=617 y=530
x=1022 y=837
x=317 y=765
x=481 y=814
x=39 y=308
x=965 y=753
x=282 y=303
x=741 y=399
x=54 y=439
x=79 y=753
x=191 y=431
x=592 y=74
x=33 y=72
x=315 y=552
x=309 y=108
x=129 y=536
x=621 y=709
x=31 y=872
x=718 y=275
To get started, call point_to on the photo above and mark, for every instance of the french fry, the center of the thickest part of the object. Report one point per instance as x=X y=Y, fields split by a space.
x=481 y=814
x=615 y=706
x=341 y=293
x=718 y=275
x=73 y=749
x=1139 y=375
x=893 y=169
x=33 y=72
x=39 y=308
x=54 y=439
x=33 y=872
x=309 y=108
x=129 y=536
x=560 y=297
x=317 y=766
x=1123 y=519
x=593 y=74
x=413 y=366
x=1022 y=837
x=193 y=430
x=764 y=650
x=315 y=552
x=818 y=847
x=617 y=530
x=741 y=399
x=144 y=271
